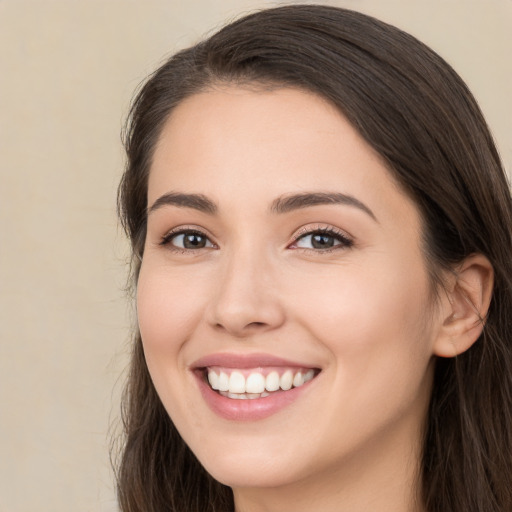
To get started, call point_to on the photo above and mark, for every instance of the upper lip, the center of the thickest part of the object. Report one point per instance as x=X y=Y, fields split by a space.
x=244 y=361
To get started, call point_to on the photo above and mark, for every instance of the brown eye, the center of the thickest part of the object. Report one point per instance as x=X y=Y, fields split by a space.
x=322 y=240
x=193 y=241
x=189 y=240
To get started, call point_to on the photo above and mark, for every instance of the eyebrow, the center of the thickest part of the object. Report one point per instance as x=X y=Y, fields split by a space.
x=195 y=201
x=305 y=200
x=280 y=205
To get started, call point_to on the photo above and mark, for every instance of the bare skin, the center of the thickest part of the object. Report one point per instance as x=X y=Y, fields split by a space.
x=339 y=285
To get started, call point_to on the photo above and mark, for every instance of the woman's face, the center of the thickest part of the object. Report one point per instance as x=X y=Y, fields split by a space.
x=281 y=254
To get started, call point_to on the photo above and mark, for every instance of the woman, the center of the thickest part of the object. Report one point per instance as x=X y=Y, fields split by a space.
x=321 y=234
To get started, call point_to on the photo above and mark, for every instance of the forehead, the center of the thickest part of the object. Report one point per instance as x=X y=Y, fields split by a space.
x=235 y=142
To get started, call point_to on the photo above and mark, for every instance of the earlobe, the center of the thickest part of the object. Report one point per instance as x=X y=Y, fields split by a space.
x=464 y=312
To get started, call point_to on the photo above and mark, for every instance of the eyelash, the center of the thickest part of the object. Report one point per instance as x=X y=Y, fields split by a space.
x=338 y=235
x=345 y=241
x=167 y=239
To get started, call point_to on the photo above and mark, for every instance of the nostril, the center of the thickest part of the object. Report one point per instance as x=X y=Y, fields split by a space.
x=250 y=325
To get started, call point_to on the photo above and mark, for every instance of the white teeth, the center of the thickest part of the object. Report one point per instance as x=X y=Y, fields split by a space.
x=309 y=375
x=255 y=383
x=286 y=380
x=236 y=383
x=237 y=396
x=298 y=380
x=213 y=379
x=223 y=382
x=244 y=396
x=236 y=386
x=272 y=381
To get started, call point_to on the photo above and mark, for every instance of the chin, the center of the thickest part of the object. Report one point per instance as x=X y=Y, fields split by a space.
x=252 y=466
x=252 y=473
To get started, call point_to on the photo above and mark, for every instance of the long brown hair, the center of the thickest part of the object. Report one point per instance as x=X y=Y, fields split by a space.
x=417 y=113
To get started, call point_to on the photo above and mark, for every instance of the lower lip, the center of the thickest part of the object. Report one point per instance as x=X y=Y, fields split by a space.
x=249 y=409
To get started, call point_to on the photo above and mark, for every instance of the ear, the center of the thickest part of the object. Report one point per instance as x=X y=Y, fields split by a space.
x=463 y=313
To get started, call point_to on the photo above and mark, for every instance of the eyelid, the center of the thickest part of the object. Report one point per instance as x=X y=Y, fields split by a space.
x=310 y=229
x=188 y=228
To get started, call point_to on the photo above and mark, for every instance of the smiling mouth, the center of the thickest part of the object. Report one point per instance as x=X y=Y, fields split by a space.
x=250 y=384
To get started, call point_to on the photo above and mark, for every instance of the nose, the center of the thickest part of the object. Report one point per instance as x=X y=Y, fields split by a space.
x=246 y=298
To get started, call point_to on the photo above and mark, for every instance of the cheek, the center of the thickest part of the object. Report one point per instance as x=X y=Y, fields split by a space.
x=168 y=309
x=376 y=330
x=372 y=318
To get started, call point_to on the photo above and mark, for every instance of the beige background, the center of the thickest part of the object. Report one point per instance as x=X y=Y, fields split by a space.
x=67 y=73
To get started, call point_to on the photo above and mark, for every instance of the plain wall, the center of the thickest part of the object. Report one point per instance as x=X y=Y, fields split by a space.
x=67 y=72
